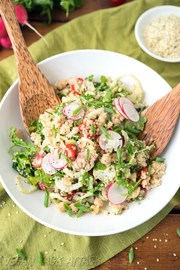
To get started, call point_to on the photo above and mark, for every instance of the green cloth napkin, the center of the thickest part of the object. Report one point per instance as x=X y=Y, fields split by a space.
x=110 y=29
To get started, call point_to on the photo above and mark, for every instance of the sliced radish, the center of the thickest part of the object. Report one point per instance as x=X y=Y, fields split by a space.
x=128 y=108
x=109 y=145
x=131 y=112
x=46 y=166
x=57 y=161
x=119 y=108
x=70 y=109
x=116 y=194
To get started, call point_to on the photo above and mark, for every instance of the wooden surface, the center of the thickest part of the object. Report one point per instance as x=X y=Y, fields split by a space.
x=160 y=248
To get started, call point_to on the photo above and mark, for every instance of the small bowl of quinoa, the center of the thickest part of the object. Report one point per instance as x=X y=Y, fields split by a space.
x=157 y=32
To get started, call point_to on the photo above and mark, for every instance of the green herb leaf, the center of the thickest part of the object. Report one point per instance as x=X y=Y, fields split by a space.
x=149 y=170
x=82 y=209
x=159 y=159
x=46 y=199
x=40 y=258
x=54 y=131
x=105 y=132
x=131 y=255
x=109 y=110
x=134 y=128
x=100 y=166
x=92 y=129
x=68 y=209
x=178 y=232
x=87 y=154
x=21 y=254
x=119 y=155
x=76 y=111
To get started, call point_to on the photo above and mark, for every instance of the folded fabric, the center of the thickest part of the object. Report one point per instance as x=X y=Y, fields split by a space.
x=110 y=29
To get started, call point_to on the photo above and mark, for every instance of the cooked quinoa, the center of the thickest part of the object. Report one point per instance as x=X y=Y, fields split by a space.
x=162 y=36
x=85 y=154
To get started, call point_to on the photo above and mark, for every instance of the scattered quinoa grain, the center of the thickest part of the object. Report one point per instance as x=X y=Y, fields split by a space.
x=155 y=246
x=157 y=260
x=174 y=254
x=137 y=262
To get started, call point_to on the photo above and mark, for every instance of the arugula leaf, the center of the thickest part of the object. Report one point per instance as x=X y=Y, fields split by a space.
x=68 y=209
x=22 y=158
x=20 y=142
x=36 y=126
x=70 y=5
x=82 y=208
x=105 y=132
x=100 y=166
x=134 y=128
x=40 y=176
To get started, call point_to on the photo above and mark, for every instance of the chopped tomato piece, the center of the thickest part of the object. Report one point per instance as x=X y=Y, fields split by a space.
x=71 y=151
x=142 y=173
x=73 y=88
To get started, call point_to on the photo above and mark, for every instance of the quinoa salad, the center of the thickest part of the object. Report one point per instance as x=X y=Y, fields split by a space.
x=85 y=154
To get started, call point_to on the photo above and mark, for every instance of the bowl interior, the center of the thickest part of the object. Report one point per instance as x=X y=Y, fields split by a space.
x=84 y=63
x=146 y=18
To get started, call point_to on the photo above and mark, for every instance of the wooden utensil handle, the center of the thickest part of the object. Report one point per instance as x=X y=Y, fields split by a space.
x=8 y=15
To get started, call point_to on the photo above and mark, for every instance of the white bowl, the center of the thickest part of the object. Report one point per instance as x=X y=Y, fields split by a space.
x=146 y=18
x=84 y=63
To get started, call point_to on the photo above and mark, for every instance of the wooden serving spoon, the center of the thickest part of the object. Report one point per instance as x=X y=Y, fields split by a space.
x=36 y=94
x=161 y=120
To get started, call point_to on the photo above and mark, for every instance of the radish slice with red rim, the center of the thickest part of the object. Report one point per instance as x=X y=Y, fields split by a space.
x=131 y=112
x=128 y=109
x=115 y=193
x=57 y=161
x=46 y=166
x=73 y=111
x=119 y=108
x=109 y=145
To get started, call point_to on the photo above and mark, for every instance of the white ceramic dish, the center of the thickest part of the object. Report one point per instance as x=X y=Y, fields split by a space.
x=84 y=63
x=148 y=17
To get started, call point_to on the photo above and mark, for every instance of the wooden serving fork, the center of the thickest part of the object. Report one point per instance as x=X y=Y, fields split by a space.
x=161 y=120
x=36 y=94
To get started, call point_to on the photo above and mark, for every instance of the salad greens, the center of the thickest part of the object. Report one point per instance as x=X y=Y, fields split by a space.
x=46 y=6
x=96 y=158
